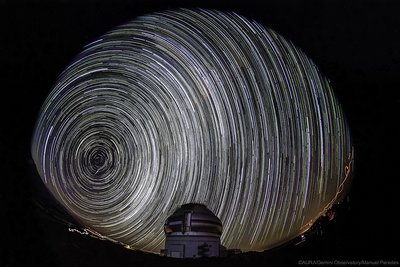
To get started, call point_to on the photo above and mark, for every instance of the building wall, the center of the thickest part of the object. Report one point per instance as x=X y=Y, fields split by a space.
x=192 y=246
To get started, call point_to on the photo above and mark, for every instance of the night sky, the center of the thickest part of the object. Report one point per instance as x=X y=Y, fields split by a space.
x=355 y=45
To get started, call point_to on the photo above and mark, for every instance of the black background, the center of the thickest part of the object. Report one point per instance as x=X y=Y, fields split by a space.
x=354 y=43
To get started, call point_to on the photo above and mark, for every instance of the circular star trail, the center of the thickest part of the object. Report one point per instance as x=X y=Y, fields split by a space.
x=193 y=106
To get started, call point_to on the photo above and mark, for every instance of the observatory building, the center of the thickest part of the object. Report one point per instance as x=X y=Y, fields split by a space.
x=192 y=231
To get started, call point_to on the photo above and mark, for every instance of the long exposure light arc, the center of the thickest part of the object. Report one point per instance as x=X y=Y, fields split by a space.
x=196 y=106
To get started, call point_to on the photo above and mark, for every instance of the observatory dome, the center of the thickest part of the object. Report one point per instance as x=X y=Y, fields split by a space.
x=193 y=219
x=192 y=231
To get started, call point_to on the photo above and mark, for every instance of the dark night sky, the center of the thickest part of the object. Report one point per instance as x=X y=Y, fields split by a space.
x=355 y=43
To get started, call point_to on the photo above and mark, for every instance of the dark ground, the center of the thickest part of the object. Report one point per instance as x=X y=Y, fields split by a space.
x=355 y=44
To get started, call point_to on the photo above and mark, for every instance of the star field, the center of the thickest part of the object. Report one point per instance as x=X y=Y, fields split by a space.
x=193 y=106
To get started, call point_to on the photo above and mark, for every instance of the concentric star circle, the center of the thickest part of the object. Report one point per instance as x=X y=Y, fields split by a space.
x=195 y=106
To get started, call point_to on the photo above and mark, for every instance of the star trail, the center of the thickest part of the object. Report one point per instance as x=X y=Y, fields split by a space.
x=196 y=106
